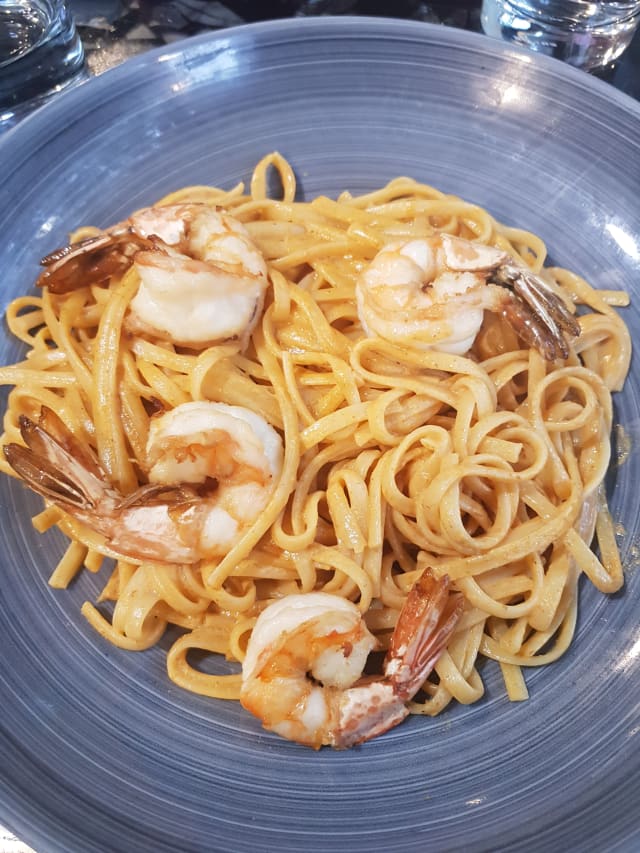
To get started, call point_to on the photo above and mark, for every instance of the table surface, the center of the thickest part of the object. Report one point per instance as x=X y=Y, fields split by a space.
x=113 y=31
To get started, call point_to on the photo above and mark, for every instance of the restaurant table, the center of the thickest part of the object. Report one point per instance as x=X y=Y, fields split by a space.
x=114 y=31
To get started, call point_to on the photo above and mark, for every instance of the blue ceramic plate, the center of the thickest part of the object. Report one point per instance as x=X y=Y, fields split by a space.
x=99 y=752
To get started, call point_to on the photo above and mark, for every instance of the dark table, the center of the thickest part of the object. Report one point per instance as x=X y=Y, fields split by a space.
x=114 y=30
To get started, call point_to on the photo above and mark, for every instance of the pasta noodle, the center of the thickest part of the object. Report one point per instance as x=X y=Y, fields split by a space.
x=487 y=467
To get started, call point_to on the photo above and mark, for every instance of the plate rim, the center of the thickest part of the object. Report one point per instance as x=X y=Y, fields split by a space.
x=374 y=26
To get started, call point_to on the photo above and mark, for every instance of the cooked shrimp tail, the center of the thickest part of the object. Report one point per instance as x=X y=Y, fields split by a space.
x=424 y=627
x=80 y=488
x=54 y=463
x=414 y=651
x=211 y=471
x=540 y=317
x=92 y=260
x=302 y=674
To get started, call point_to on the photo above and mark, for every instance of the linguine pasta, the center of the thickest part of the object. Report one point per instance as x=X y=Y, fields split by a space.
x=486 y=467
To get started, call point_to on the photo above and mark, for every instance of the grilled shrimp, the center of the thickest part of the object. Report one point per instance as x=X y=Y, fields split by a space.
x=202 y=279
x=431 y=293
x=211 y=469
x=302 y=674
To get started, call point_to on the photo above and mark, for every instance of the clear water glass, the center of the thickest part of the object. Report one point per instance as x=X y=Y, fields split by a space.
x=40 y=54
x=589 y=35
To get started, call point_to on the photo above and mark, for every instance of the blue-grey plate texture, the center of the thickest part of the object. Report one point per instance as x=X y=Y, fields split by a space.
x=98 y=751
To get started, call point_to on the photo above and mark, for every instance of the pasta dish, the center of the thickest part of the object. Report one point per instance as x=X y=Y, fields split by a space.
x=306 y=433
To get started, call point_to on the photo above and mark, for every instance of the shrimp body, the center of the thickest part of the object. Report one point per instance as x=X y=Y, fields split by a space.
x=202 y=279
x=211 y=471
x=432 y=293
x=198 y=442
x=302 y=674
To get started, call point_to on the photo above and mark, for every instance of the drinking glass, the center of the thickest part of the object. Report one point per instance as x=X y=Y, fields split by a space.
x=590 y=35
x=40 y=54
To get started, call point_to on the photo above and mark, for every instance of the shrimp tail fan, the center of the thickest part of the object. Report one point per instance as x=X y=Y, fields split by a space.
x=413 y=653
x=538 y=314
x=145 y=524
x=54 y=463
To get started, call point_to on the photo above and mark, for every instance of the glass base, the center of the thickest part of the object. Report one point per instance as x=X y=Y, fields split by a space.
x=39 y=54
x=593 y=37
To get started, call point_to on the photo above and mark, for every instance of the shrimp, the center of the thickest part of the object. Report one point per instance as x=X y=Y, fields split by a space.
x=211 y=469
x=431 y=293
x=202 y=279
x=302 y=673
